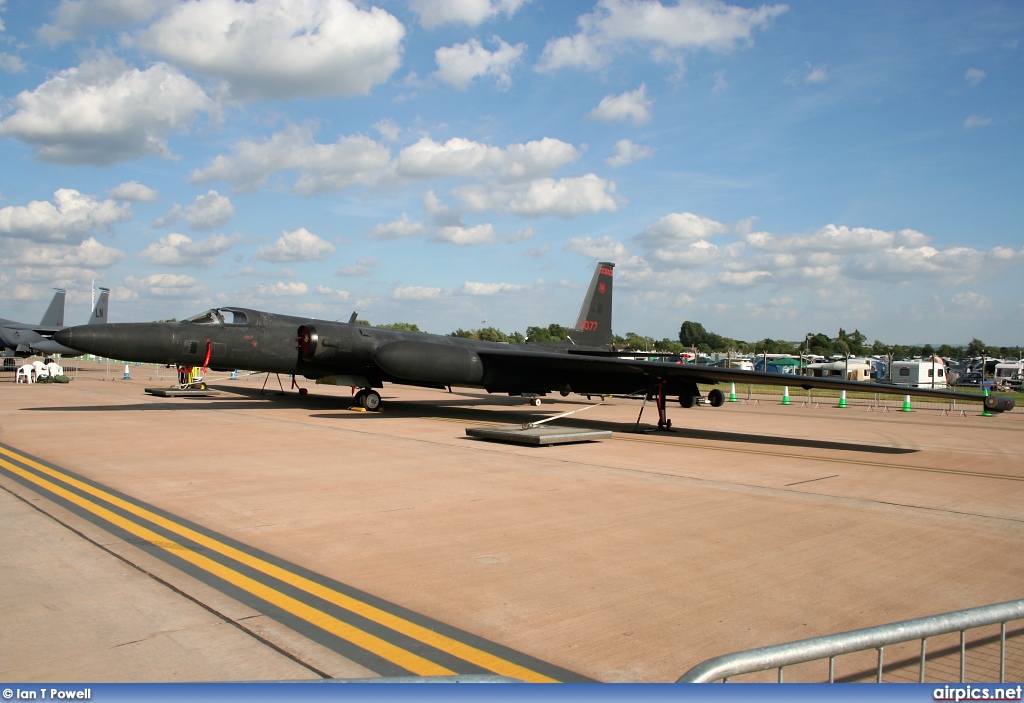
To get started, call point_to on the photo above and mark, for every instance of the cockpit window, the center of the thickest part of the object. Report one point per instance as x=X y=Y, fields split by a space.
x=220 y=316
x=234 y=317
x=210 y=317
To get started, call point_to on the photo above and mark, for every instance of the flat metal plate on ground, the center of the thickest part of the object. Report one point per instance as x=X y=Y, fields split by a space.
x=182 y=392
x=538 y=436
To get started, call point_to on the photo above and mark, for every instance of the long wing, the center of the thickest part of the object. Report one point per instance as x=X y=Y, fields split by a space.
x=590 y=374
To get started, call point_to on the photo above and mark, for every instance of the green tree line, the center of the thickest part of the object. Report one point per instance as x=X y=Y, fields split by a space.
x=693 y=336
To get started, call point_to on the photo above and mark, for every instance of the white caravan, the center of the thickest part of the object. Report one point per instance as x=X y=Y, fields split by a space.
x=922 y=373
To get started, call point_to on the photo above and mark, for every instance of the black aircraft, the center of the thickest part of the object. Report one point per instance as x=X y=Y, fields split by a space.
x=347 y=354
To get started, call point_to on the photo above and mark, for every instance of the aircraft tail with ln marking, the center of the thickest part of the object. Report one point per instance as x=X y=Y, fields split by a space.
x=99 y=313
x=594 y=325
x=54 y=315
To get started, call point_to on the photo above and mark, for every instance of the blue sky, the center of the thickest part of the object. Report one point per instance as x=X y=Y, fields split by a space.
x=765 y=169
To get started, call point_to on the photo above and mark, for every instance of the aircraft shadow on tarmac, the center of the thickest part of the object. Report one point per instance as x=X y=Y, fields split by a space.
x=460 y=406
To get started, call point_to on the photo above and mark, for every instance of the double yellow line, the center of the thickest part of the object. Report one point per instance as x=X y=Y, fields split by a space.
x=369 y=642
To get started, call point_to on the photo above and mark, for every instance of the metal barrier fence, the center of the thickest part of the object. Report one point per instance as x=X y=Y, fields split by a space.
x=113 y=370
x=830 y=646
x=109 y=369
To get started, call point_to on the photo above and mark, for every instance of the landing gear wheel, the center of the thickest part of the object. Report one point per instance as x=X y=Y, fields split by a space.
x=371 y=400
x=303 y=391
x=687 y=401
x=535 y=402
x=360 y=398
x=716 y=398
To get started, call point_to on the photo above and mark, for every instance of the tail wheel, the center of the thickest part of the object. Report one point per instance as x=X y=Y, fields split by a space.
x=687 y=401
x=371 y=400
x=716 y=398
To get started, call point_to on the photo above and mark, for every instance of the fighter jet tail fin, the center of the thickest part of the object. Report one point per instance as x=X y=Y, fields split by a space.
x=594 y=324
x=54 y=316
x=99 y=313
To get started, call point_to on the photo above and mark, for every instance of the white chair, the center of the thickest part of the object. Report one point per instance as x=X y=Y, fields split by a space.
x=25 y=371
x=40 y=369
x=54 y=369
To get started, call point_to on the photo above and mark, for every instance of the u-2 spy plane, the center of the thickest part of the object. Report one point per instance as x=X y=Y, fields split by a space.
x=21 y=339
x=348 y=354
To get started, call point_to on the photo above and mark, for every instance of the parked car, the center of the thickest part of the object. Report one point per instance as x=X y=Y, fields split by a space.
x=974 y=378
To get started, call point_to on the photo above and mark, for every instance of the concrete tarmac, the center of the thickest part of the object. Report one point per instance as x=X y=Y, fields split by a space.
x=630 y=559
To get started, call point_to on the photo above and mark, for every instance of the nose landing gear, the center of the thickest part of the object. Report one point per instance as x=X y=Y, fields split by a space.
x=368 y=399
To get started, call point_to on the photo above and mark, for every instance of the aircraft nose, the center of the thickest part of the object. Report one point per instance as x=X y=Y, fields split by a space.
x=84 y=338
x=63 y=337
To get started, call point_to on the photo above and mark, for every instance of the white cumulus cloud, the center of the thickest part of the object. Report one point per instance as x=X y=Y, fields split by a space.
x=604 y=248
x=133 y=191
x=465 y=236
x=69 y=217
x=165 y=285
x=626 y=152
x=300 y=245
x=688 y=25
x=632 y=105
x=179 y=250
x=415 y=293
x=291 y=289
x=9 y=63
x=398 y=229
x=458 y=65
x=209 y=211
x=974 y=76
x=679 y=228
x=362 y=267
x=281 y=48
x=566 y=197
x=321 y=167
x=434 y=13
x=80 y=18
x=459 y=157
x=475 y=288
x=87 y=254
x=103 y=111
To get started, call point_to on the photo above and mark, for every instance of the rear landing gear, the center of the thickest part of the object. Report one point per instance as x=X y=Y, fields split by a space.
x=716 y=398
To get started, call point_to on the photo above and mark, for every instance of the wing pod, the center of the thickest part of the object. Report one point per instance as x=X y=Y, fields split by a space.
x=429 y=362
x=998 y=403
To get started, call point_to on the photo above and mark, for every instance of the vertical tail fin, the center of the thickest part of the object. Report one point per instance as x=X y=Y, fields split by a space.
x=99 y=313
x=594 y=325
x=54 y=316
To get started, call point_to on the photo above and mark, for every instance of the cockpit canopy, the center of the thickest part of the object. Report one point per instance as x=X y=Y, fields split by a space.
x=223 y=317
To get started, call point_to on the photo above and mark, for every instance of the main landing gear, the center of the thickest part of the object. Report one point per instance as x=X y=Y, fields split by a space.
x=368 y=399
x=716 y=399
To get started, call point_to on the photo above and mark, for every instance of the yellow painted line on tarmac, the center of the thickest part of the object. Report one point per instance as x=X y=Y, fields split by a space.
x=438 y=641
x=809 y=457
x=371 y=643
